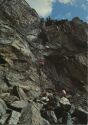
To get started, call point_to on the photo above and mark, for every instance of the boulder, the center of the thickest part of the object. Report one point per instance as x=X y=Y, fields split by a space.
x=19 y=104
x=3 y=119
x=14 y=118
x=64 y=101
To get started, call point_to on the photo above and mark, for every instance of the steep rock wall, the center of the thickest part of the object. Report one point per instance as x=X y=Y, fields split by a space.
x=37 y=57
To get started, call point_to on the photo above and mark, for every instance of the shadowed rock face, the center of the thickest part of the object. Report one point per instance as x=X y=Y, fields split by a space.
x=35 y=57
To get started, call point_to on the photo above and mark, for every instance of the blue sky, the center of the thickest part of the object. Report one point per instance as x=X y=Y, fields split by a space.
x=61 y=9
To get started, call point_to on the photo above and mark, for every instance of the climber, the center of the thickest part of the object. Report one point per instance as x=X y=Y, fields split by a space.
x=48 y=107
x=66 y=106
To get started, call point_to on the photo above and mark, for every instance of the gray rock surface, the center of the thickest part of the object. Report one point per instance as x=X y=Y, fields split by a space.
x=14 y=118
x=31 y=115
x=37 y=58
x=3 y=108
x=19 y=104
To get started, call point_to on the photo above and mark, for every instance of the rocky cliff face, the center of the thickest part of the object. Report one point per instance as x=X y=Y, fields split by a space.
x=38 y=57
